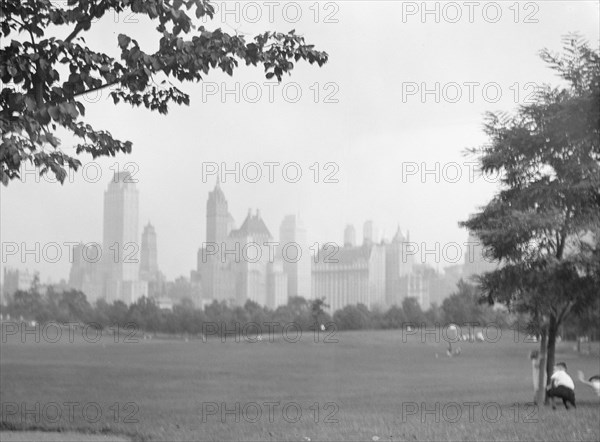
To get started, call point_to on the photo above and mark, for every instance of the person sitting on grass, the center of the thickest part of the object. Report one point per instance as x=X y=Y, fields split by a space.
x=593 y=382
x=561 y=386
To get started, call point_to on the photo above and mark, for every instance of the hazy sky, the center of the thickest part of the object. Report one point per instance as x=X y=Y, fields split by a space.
x=378 y=134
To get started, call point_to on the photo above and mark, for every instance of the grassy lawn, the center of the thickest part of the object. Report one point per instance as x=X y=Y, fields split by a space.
x=368 y=385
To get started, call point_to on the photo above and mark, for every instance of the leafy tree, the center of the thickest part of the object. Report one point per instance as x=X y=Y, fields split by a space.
x=118 y=313
x=74 y=306
x=543 y=225
x=463 y=306
x=394 y=317
x=317 y=310
x=352 y=317
x=101 y=313
x=412 y=311
x=434 y=315
x=189 y=319
x=145 y=314
x=27 y=303
x=219 y=313
x=256 y=313
x=298 y=305
x=50 y=66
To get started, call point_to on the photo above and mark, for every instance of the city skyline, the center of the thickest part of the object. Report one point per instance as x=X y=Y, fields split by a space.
x=369 y=229
x=322 y=220
x=378 y=141
x=248 y=263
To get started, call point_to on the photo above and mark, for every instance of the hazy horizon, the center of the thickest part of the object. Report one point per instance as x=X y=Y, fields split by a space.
x=370 y=141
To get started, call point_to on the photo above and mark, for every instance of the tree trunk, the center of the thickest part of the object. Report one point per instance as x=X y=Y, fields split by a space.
x=552 y=329
x=541 y=391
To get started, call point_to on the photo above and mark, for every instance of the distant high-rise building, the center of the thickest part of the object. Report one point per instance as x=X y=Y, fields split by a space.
x=277 y=285
x=86 y=274
x=399 y=262
x=349 y=276
x=216 y=279
x=16 y=279
x=120 y=252
x=349 y=236
x=377 y=274
x=219 y=221
x=149 y=271
x=148 y=253
x=236 y=265
x=368 y=232
x=295 y=255
x=250 y=261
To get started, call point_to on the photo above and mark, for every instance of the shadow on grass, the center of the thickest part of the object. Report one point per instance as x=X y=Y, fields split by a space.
x=26 y=426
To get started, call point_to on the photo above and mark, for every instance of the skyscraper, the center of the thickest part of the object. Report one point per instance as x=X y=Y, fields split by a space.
x=216 y=278
x=370 y=233
x=120 y=250
x=148 y=253
x=219 y=221
x=295 y=255
x=149 y=271
x=349 y=236
x=236 y=265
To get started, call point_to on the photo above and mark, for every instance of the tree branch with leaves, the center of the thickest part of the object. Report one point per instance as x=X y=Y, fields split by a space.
x=45 y=75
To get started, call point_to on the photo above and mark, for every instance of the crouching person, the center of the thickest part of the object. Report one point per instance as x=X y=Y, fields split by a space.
x=561 y=386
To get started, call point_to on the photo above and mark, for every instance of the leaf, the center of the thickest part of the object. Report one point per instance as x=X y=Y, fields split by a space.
x=54 y=113
x=30 y=103
x=124 y=41
x=80 y=108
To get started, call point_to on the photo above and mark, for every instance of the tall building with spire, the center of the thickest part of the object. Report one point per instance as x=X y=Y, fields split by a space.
x=148 y=253
x=215 y=277
x=250 y=258
x=149 y=270
x=237 y=265
x=219 y=221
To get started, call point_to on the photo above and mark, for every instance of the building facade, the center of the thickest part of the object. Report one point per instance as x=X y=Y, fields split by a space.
x=294 y=253
x=14 y=280
x=149 y=271
x=111 y=270
x=238 y=264
x=376 y=274
x=350 y=275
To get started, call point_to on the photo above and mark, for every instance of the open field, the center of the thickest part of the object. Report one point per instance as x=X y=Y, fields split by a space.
x=366 y=385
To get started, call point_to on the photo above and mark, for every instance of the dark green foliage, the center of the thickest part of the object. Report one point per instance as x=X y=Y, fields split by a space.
x=543 y=225
x=48 y=73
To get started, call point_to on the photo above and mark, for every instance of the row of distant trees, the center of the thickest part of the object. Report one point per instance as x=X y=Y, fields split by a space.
x=186 y=319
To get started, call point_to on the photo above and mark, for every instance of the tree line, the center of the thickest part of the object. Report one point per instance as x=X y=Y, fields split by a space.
x=67 y=306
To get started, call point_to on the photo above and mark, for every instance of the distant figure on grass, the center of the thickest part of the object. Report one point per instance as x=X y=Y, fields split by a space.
x=535 y=371
x=452 y=335
x=561 y=386
x=593 y=382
